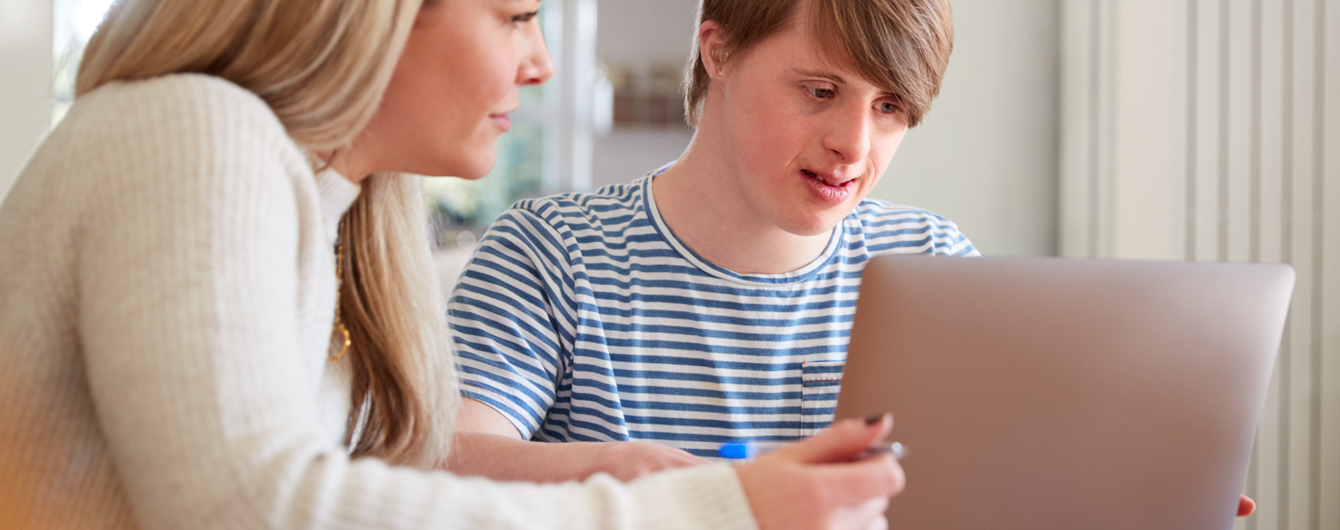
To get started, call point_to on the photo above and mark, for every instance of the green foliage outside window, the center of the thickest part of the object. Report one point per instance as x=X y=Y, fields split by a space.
x=457 y=204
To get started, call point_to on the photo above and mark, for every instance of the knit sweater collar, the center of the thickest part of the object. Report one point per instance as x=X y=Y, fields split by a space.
x=337 y=195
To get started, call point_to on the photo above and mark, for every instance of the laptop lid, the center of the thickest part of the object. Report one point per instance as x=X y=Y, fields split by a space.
x=1041 y=393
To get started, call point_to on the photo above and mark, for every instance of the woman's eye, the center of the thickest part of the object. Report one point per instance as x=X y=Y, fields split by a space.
x=524 y=17
x=821 y=93
x=886 y=107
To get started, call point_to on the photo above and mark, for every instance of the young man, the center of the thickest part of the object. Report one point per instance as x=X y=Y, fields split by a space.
x=712 y=300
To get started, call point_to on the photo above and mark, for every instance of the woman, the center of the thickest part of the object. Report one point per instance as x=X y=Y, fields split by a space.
x=216 y=302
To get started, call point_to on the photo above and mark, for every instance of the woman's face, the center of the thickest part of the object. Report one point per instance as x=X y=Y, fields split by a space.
x=807 y=139
x=460 y=75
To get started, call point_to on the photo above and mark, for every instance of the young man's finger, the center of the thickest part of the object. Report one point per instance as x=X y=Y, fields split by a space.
x=1246 y=506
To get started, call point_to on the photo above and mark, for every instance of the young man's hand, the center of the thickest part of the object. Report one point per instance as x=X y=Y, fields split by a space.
x=629 y=460
x=1246 y=506
x=814 y=484
x=488 y=445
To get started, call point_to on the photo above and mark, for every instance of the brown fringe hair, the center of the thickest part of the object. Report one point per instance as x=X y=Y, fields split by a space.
x=900 y=46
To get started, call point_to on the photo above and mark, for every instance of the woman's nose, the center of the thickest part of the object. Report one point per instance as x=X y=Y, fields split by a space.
x=537 y=66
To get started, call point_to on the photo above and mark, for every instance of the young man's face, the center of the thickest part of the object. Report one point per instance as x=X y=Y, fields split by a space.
x=808 y=139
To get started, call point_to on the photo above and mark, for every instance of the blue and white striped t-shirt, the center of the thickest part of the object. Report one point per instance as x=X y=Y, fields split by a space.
x=581 y=317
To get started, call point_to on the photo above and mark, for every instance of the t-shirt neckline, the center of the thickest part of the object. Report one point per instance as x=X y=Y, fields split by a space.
x=797 y=276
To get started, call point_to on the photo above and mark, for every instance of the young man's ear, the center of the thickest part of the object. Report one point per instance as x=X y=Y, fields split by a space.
x=711 y=46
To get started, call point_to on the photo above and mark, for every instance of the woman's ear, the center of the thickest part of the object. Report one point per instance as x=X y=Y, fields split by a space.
x=711 y=47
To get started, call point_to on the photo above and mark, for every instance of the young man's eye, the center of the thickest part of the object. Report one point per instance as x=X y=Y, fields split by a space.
x=821 y=93
x=887 y=107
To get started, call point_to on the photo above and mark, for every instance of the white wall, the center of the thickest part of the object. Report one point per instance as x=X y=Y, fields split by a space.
x=986 y=154
x=1210 y=131
x=640 y=33
x=628 y=153
x=25 y=94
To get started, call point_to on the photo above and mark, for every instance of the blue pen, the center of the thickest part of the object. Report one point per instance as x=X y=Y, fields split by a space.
x=752 y=450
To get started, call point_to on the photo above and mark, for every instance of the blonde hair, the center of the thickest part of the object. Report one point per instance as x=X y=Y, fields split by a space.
x=900 y=46
x=322 y=67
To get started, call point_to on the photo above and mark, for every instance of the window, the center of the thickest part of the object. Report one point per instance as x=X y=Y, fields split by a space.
x=75 y=22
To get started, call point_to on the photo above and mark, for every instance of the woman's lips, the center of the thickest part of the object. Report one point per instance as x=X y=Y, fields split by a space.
x=823 y=192
x=502 y=121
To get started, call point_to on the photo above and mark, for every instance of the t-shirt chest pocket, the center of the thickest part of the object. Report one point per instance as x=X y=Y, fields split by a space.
x=821 y=381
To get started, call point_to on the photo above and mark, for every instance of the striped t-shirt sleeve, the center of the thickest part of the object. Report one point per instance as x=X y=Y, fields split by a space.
x=891 y=228
x=510 y=320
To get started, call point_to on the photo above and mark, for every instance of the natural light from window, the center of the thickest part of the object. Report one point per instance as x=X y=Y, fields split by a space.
x=76 y=20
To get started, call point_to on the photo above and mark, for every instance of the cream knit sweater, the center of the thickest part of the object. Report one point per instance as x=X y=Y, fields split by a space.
x=166 y=299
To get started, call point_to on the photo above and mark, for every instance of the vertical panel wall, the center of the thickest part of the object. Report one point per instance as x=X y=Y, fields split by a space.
x=1209 y=130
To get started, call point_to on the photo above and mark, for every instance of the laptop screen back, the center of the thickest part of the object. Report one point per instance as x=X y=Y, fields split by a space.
x=1038 y=393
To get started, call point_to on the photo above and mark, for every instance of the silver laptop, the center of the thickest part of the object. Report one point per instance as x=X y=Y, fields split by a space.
x=1045 y=393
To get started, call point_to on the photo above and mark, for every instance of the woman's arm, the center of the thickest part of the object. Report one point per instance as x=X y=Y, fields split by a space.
x=205 y=390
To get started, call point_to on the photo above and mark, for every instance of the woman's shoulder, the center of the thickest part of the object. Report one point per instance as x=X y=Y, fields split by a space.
x=182 y=137
x=201 y=91
x=143 y=131
x=191 y=105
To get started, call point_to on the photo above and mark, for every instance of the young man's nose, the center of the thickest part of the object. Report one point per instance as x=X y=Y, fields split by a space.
x=847 y=134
